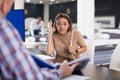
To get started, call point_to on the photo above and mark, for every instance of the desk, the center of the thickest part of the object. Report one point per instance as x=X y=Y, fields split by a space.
x=94 y=72
x=37 y=51
x=37 y=37
x=100 y=73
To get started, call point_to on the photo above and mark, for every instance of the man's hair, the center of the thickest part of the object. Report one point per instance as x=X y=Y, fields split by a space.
x=39 y=18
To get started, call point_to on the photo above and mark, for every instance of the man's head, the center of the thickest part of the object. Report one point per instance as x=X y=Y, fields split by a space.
x=5 y=6
x=39 y=19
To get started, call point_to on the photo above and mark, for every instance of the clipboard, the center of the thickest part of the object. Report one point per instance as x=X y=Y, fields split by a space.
x=83 y=63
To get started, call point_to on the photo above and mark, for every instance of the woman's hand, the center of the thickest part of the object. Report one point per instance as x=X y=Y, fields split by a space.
x=50 y=23
x=71 y=50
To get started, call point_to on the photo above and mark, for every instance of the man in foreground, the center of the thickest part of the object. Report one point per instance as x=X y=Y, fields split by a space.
x=15 y=61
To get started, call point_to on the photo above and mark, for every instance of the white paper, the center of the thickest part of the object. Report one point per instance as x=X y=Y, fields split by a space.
x=77 y=77
x=44 y=57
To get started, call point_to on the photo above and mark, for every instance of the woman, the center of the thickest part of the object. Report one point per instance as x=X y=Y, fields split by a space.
x=59 y=39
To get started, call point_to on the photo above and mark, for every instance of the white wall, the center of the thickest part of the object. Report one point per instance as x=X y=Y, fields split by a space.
x=85 y=22
x=19 y=4
x=85 y=17
x=46 y=13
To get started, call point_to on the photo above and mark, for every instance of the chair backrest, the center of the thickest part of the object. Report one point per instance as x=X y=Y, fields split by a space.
x=115 y=60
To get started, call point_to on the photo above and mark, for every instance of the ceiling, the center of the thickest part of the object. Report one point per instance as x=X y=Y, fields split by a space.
x=49 y=1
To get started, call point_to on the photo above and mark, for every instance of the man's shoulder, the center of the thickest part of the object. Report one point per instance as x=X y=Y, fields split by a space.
x=32 y=20
x=42 y=22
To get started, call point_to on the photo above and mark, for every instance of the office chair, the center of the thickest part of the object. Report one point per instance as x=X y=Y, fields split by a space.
x=115 y=60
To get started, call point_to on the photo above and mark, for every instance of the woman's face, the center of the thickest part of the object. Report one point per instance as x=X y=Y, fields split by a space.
x=62 y=25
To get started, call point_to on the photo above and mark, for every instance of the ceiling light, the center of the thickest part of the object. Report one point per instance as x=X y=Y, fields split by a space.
x=40 y=1
x=27 y=0
x=52 y=0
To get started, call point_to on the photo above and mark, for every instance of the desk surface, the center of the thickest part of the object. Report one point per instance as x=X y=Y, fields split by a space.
x=94 y=72
x=100 y=73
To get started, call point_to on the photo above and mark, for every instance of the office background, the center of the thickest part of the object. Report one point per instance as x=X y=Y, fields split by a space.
x=102 y=8
x=108 y=8
x=86 y=20
x=35 y=10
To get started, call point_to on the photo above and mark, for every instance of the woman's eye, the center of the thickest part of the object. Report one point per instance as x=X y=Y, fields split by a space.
x=64 y=24
x=61 y=24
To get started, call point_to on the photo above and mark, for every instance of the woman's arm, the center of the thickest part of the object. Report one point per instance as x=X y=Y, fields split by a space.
x=81 y=43
x=50 y=45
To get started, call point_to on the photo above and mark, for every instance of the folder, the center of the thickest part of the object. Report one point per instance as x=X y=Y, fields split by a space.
x=42 y=63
